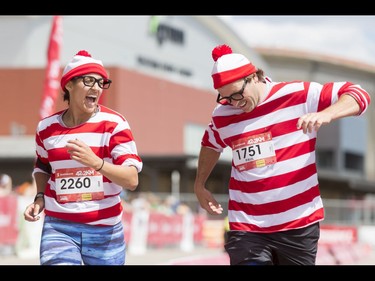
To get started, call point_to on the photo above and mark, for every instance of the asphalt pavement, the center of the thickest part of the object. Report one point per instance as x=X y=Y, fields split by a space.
x=164 y=256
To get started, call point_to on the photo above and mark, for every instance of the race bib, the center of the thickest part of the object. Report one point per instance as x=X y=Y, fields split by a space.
x=253 y=152
x=78 y=184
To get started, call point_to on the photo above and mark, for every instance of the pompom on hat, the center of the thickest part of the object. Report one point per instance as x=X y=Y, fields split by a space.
x=81 y=64
x=229 y=66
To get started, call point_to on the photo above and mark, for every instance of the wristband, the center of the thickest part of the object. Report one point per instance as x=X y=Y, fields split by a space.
x=100 y=166
x=39 y=195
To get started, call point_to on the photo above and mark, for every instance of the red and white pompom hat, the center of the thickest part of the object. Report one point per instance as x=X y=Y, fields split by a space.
x=81 y=64
x=229 y=66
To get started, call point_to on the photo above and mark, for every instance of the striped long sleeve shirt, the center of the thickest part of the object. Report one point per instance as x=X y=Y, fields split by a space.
x=274 y=183
x=109 y=135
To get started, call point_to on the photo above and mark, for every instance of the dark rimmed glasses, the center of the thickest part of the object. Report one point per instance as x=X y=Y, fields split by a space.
x=235 y=96
x=90 y=81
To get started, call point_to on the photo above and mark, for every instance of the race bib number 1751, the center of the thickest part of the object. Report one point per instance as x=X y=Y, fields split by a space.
x=253 y=152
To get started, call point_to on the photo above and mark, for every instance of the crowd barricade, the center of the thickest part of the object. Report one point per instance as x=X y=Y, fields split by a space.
x=17 y=236
x=8 y=220
x=339 y=245
x=164 y=230
x=144 y=229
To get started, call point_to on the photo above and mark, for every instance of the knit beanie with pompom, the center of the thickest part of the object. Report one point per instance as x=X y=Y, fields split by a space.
x=81 y=64
x=229 y=66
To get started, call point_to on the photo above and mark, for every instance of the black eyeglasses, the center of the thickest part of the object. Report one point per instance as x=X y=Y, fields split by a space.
x=235 y=96
x=90 y=81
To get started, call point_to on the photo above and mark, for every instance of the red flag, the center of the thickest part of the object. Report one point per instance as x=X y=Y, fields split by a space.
x=52 y=80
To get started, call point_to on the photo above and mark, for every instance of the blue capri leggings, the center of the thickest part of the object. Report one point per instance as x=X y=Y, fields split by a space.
x=68 y=243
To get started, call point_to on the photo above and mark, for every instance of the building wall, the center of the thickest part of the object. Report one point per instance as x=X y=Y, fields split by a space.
x=175 y=48
x=162 y=82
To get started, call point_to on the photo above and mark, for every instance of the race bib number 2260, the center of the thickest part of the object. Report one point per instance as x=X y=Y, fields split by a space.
x=78 y=184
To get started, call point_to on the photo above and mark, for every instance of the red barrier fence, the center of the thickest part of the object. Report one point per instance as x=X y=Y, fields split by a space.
x=8 y=220
x=166 y=230
x=340 y=245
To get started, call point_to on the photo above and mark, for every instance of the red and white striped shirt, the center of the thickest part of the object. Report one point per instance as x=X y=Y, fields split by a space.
x=109 y=135
x=281 y=194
